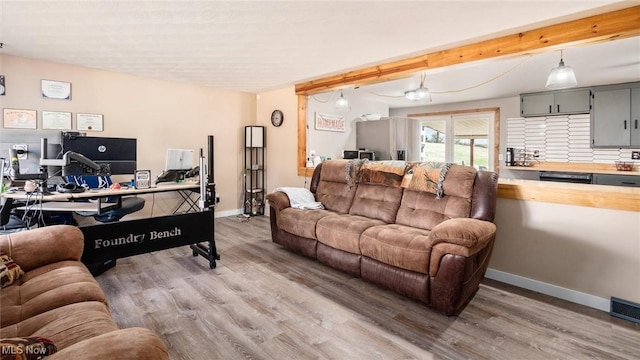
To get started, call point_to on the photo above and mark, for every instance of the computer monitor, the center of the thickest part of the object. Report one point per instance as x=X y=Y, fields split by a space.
x=118 y=153
x=179 y=159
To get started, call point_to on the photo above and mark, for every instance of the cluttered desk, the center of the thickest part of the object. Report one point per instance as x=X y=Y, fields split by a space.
x=94 y=195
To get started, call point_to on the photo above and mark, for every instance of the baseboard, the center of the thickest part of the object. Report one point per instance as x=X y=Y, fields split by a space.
x=550 y=289
x=228 y=213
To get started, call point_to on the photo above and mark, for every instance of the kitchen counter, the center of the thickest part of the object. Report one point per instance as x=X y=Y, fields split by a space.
x=575 y=167
x=597 y=196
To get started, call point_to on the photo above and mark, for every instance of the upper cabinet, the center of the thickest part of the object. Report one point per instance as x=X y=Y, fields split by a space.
x=561 y=102
x=615 y=116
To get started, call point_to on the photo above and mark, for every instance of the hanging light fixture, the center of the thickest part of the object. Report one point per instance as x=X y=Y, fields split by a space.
x=419 y=94
x=561 y=77
x=342 y=102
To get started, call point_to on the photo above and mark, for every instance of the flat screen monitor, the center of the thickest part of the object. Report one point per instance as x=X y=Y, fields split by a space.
x=118 y=153
x=179 y=159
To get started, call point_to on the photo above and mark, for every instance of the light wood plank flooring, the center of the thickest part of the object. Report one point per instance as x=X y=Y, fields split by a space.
x=264 y=302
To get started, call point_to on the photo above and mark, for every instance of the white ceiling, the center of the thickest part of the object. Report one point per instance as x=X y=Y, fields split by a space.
x=255 y=46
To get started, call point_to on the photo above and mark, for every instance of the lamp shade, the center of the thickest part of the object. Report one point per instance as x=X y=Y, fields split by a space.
x=561 y=77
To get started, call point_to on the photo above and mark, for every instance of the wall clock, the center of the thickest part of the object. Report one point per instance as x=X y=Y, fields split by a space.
x=277 y=118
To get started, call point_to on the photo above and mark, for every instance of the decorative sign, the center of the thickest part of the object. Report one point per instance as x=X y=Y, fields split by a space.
x=56 y=89
x=56 y=120
x=329 y=122
x=89 y=122
x=20 y=119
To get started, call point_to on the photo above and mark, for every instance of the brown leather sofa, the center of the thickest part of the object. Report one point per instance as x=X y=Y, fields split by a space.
x=58 y=299
x=432 y=249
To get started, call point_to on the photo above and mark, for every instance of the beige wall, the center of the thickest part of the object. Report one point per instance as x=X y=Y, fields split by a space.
x=588 y=250
x=282 y=142
x=160 y=114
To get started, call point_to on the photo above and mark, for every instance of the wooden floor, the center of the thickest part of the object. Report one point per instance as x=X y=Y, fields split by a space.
x=264 y=302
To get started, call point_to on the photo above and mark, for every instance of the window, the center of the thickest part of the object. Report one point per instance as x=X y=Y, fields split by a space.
x=465 y=138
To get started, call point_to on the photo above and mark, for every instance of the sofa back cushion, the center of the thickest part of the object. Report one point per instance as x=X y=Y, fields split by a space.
x=377 y=202
x=379 y=190
x=336 y=186
x=422 y=209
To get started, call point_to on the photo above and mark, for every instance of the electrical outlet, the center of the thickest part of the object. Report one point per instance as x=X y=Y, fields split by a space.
x=635 y=155
x=22 y=150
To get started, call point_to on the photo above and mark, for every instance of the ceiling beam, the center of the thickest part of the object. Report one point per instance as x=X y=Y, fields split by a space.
x=608 y=26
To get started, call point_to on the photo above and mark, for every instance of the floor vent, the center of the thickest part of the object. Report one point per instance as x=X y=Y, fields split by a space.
x=625 y=310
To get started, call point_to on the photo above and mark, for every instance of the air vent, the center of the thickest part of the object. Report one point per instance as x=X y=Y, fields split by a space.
x=625 y=310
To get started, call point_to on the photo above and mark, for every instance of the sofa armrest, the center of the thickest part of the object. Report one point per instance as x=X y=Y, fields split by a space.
x=41 y=246
x=461 y=236
x=466 y=232
x=278 y=200
x=129 y=343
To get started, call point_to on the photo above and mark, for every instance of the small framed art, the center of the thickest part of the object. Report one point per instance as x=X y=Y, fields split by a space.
x=59 y=90
x=89 y=122
x=19 y=119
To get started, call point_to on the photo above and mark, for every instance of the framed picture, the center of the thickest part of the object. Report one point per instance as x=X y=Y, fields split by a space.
x=55 y=89
x=329 y=122
x=19 y=119
x=89 y=122
x=56 y=120
x=142 y=179
x=2 y=86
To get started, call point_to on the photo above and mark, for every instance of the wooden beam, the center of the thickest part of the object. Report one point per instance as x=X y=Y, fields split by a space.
x=613 y=25
x=302 y=140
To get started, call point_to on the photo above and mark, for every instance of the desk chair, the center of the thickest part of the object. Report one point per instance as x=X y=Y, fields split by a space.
x=10 y=223
x=129 y=204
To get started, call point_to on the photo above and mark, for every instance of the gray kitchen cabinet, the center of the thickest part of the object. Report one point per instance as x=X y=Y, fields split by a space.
x=615 y=116
x=617 y=180
x=561 y=102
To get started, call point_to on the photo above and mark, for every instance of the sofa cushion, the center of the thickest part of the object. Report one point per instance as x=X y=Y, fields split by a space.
x=336 y=186
x=29 y=348
x=343 y=231
x=422 y=209
x=377 y=202
x=397 y=245
x=9 y=270
x=301 y=222
x=46 y=288
x=65 y=325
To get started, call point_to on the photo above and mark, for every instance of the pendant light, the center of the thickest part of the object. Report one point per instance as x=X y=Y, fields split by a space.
x=561 y=77
x=342 y=102
x=419 y=94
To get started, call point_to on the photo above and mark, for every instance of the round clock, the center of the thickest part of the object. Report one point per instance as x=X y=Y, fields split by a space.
x=277 y=118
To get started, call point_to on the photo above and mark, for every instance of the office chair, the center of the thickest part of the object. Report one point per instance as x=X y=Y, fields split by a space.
x=10 y=223
x=129 y=204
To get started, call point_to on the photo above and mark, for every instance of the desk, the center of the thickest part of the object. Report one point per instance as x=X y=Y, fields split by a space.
x=56 y=201
x=109 y=241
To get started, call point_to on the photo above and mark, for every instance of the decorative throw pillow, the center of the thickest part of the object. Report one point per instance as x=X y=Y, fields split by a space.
x=30 y=348
x=9 y=270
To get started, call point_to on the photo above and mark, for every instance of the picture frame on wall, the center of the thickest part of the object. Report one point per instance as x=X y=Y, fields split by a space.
x=19 y=119
x=56 y=120
x=59 y=90
x=3 y=88
x=89 y=122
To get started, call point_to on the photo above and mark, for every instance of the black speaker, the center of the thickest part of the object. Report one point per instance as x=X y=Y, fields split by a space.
x=69 y=188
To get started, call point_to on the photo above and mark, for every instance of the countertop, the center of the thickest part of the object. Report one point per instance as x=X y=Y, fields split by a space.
x=598 y=196
x=576 y=167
